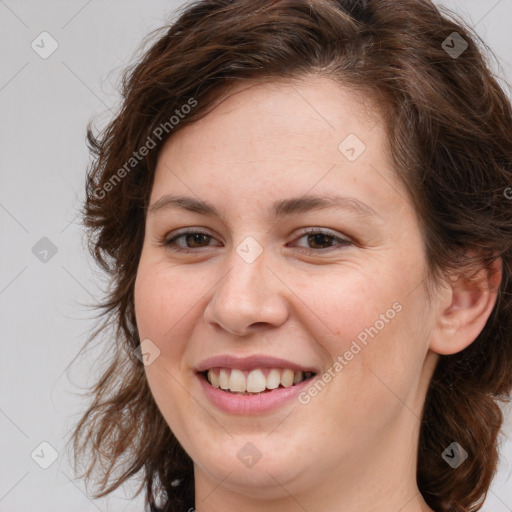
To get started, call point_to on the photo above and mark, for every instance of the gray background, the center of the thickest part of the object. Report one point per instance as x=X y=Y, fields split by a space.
x=45 y=105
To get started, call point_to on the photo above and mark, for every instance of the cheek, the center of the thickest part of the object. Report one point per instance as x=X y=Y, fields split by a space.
x=347 y=307
x=375 y=334
x=163 y=302
x=163 y=299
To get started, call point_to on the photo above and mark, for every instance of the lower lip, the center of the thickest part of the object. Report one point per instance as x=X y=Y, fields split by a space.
x=252 y=404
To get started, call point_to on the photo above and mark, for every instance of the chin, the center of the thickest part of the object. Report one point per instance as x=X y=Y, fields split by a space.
x=253 y=464
x=265 y=479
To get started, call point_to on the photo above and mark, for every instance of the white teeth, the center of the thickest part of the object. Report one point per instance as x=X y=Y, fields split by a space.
x=256 y=381
x=223 y=379
x=213 y=379
x=236 y=381
x=287 y=378
x=273 y=379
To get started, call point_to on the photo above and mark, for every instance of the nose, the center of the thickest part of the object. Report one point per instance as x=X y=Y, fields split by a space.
x=247 y=298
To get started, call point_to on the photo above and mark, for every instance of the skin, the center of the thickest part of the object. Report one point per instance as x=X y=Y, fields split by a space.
x=353 y=446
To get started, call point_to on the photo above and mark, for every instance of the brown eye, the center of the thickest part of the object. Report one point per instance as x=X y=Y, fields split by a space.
x=319 y=240
x=192 y=239
x=196 y=238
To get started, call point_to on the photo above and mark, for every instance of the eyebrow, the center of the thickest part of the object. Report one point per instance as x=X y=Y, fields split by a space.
x=281 y=208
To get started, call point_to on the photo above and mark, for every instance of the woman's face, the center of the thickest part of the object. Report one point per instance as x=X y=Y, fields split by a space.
x=347 y=302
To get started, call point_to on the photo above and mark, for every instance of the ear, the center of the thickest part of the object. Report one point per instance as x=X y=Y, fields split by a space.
x=464 y=308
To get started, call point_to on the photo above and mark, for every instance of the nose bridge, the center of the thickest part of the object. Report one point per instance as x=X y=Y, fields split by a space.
x=248 y=293
x=248 y=268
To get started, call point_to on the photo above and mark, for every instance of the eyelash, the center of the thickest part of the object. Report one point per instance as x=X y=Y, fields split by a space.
x=170 y=242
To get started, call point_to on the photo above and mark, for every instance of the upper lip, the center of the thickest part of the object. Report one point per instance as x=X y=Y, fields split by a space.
x=251 y=363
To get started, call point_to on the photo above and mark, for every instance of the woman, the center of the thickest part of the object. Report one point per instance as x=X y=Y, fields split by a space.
x=303 y=209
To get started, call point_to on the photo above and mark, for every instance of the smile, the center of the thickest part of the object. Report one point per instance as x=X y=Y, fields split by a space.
x=256 y=381
x=252 y=385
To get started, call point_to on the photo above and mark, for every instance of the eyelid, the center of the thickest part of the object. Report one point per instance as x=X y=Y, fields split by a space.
x=173 y=235
x=343 y=240
x=324 y=231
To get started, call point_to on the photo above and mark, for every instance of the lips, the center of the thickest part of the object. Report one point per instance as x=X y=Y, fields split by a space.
x=252 y=363
x=256 y=375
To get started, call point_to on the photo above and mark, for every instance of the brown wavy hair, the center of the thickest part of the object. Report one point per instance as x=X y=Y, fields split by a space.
x=449 y=127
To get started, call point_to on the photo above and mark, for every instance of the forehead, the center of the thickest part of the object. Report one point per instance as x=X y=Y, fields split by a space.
x=280 y=139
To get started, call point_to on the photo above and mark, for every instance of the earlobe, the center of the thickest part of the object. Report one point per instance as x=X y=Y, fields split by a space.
x=461 y=319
